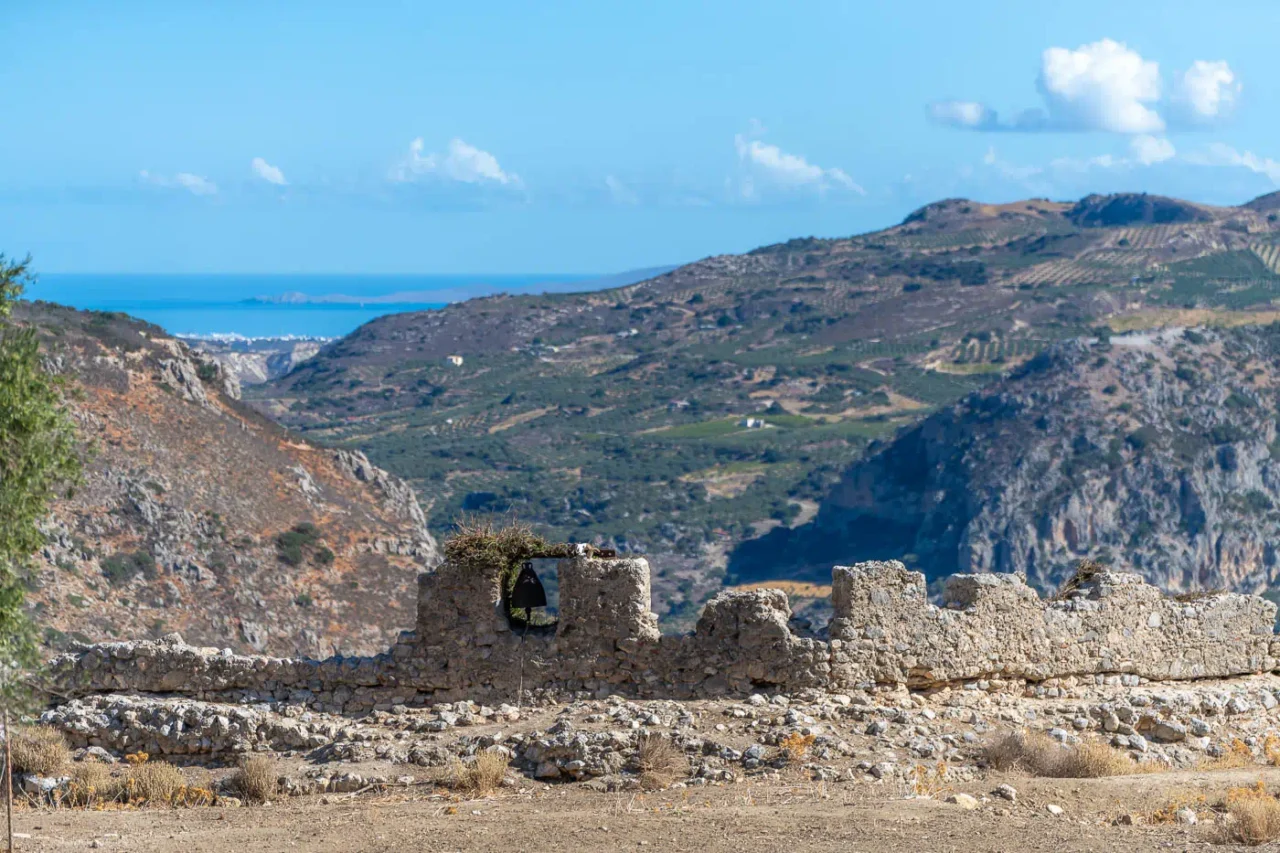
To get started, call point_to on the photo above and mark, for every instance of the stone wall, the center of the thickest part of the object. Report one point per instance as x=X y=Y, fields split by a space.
x=995 y=626
x=885 y=631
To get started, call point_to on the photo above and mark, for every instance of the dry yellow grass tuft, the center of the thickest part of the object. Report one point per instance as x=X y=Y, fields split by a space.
x=1236 y=756
x=41 y=750
x=257 y=778
x=1168 y=813
x=1040 y=755
x=479 y=777
x=930 y=781
x=154 y=783
x=795 y=746
x=1253 y=820
x=1271 y=750
x=660 y=762
x=91 y=785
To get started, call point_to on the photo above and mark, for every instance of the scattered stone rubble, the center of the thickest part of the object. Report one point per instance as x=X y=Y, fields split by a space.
x=901 y=685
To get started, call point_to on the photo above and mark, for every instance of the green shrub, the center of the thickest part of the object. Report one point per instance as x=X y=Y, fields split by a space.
x=291 y=545
x=121 y=568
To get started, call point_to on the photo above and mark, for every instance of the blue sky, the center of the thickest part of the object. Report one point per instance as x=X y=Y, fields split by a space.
x=595 y=136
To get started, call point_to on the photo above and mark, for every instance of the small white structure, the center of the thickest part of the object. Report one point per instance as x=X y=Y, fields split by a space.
x=455 y=360
x=752 y=423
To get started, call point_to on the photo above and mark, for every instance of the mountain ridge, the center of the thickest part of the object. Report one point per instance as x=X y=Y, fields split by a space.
x=697 y=410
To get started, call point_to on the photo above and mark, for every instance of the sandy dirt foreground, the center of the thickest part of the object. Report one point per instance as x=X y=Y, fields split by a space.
x=769 y=816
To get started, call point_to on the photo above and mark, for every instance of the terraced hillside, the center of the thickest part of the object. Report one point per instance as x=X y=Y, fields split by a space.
x=198 y=515
x=686 y=414
x=1154 y=452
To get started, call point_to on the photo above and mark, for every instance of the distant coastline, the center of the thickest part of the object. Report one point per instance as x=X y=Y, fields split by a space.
x=288 y=307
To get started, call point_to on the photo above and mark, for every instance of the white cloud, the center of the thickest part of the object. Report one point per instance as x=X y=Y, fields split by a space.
x=1101 y=86
x=462 y=162
x=1009 y=170
x=1149 y=150
x=1077 y=164
x=1143 y=151
x=270 y=174
x=1106 y=86
x=771 y=164
x=1207 y=91
x=965 y=114
x=619 y=191
x=1221 y=154
x=182 y=180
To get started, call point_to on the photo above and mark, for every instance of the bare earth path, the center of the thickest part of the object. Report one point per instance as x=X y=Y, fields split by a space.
x=742 y=817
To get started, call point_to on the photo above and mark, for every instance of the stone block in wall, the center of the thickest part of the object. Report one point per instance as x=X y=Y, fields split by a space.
x=743 y=642
x=460 y=600
x=604 y=601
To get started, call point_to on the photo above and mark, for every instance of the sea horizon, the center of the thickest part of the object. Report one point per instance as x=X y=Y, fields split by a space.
x=273 y=305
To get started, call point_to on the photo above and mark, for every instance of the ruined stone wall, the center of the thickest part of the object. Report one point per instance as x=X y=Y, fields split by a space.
x=993 y=627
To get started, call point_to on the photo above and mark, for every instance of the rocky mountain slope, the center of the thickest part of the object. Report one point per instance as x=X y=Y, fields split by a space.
x=200 y=516
x=1156 y=452
x=253 y=361
x=684 y=415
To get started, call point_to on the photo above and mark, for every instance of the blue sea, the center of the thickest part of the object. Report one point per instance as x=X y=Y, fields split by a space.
x=206 y=305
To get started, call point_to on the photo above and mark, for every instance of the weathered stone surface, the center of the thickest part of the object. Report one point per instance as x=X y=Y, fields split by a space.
x=995 y=626
x=994 y=633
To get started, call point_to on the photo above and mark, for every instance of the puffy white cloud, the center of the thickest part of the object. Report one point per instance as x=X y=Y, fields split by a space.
x=1207 y=91
x=1149 y=150
x=270 y=174
x=1101 y=86
x=194 y=184
x=461 y=162
x=769 y=163
x=1106 y=86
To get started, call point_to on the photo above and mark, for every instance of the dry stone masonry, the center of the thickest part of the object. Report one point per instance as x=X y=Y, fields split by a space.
x=993 y=629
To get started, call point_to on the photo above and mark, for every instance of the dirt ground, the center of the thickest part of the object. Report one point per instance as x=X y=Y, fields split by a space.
x=747 y=816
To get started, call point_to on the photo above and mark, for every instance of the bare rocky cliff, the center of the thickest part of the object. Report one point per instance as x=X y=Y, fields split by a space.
x=1152 y=452
x=198 y=515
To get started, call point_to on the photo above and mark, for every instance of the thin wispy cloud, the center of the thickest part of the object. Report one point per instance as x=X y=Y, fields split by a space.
x=768 y=166
x=461 y=162
x=1106 y=86
x=619 y=191
x=270 y=174
x=194 y=184
x=1221 y=154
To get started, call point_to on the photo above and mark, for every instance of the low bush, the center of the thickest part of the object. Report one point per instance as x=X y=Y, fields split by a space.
x=91 y=784
x=292 y=544
x=41 y=750
x=154 y=783
x=480 y=776
x=121 y=568
x=1253 y=816
x=1040 y=755
x=257 y=778
x=660 y=763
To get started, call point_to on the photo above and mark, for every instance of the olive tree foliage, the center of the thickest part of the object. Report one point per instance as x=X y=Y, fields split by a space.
x=38 y=461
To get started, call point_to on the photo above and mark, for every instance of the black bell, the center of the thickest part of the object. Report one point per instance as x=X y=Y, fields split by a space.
x=528 y=592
